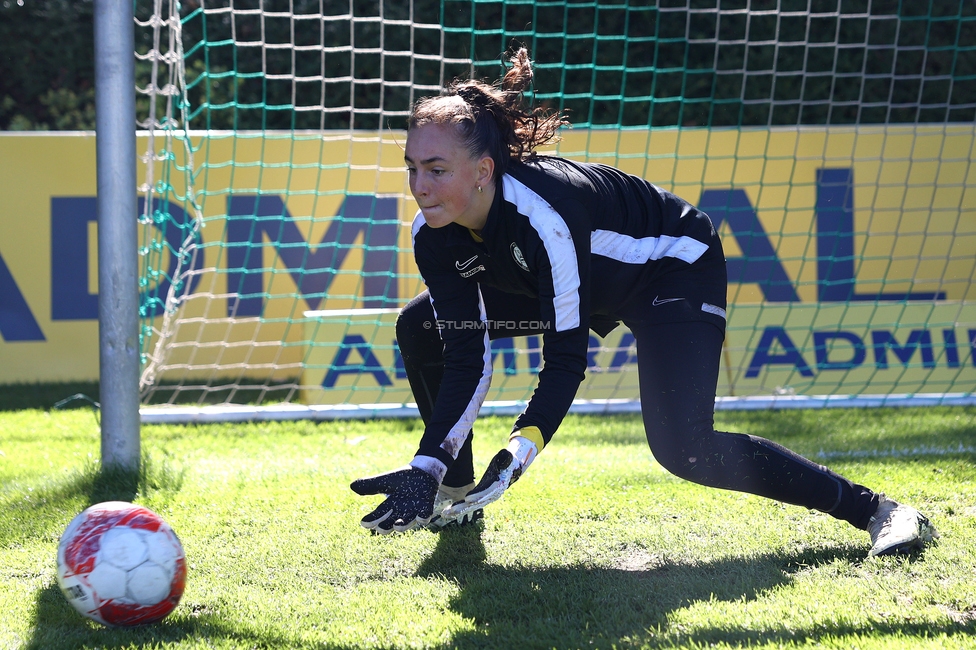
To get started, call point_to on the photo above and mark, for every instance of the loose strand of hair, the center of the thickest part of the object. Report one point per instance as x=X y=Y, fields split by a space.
x=535 y=127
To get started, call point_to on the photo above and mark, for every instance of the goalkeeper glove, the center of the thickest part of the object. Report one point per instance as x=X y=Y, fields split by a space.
x=503 y=470
x=410 y=499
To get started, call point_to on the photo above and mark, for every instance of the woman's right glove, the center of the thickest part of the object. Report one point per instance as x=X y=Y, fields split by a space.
x=409 y=504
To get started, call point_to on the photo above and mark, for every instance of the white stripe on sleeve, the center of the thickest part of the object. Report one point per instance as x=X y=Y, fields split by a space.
x=418 y=222
x=459 y=432
x=558 y=241
x=630 y=250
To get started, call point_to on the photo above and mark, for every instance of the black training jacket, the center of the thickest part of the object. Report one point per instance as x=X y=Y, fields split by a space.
x=584 y=239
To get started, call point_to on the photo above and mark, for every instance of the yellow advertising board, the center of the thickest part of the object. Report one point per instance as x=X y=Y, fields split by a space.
x=857 y=241
x=838 y=349
x=802 y=349
x=37 y=341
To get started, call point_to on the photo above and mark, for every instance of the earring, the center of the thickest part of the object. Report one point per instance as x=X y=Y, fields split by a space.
x=480 y=191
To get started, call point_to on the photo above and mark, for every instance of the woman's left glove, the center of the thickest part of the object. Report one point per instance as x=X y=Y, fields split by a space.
x=503 y=470
x=409 y=504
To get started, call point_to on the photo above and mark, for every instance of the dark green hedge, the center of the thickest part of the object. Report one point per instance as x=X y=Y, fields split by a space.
x=665 y=63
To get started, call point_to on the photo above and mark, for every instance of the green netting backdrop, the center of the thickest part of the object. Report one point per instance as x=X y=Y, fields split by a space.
x=830 y=140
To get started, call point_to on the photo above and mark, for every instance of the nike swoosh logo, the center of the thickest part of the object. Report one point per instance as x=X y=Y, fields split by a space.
x=657 y=301
x=463 y=265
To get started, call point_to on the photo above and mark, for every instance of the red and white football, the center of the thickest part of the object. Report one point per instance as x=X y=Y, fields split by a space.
x=121 y=564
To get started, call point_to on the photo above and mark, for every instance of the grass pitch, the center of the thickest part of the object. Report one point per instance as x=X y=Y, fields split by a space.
x=596 y=546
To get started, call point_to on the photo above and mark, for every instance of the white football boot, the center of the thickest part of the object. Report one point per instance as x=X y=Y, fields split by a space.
x=896 y=528
x=503 y=470
x=446 y=496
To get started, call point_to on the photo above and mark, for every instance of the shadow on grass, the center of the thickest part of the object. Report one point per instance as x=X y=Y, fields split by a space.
x=577 y=607
x=70 y=395
x=42 y=509
x=44 y=396
x=57 y=625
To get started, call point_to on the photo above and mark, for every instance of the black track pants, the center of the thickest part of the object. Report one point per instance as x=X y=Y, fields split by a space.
x=678 y=365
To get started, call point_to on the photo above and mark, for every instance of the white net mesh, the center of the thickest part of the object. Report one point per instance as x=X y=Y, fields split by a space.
x=831 y=143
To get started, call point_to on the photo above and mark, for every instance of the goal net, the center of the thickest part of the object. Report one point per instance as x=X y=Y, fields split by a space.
x=830 y=142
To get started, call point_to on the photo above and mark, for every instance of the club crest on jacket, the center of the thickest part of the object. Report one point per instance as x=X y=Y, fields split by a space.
x=517 y=254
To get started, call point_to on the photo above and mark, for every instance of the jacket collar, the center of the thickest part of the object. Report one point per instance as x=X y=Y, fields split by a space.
x=494 y=214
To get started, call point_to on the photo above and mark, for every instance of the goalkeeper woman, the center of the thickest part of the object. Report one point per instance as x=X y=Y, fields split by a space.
x=511 y=243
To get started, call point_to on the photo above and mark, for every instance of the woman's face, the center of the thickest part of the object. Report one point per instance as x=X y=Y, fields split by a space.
x=444 y=178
